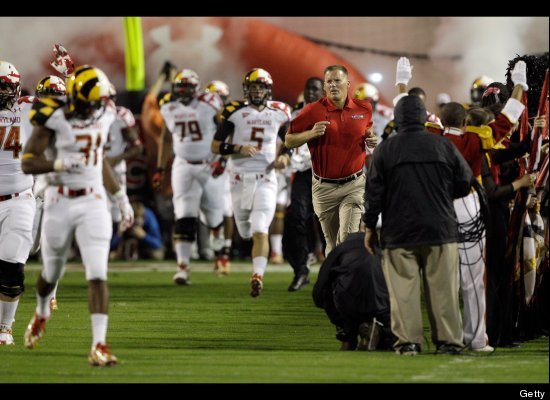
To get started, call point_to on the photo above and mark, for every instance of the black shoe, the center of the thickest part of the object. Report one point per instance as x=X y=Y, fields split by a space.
x=369 y=332
x=448 y=349
x=410 y=349
x=298 y=282
x=510 y=345
x=348 y=346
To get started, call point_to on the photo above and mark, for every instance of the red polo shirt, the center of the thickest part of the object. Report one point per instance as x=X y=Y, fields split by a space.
x=340 y=152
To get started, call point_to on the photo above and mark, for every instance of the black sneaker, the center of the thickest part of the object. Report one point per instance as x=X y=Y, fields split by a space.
x=298 y=282
x=409 y=349
x=448 y=349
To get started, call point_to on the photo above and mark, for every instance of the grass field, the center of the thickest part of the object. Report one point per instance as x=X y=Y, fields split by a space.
x=213 y=331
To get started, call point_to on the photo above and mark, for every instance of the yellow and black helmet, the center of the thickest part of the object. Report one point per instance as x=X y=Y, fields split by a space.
x=87 y=91
x=257 y=75
x=50 y=86
x=479 y=86
x=219 y=87
x=366 y=91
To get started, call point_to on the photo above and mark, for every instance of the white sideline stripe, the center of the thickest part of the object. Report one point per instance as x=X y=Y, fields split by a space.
x=170 y=266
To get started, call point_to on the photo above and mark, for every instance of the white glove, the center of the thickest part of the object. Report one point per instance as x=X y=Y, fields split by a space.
x=125 y=208
x=403 y=74
x=519 y=75
x=63 y=62
x=72 y=164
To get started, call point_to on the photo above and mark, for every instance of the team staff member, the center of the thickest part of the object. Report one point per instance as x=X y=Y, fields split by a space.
x=337 y=129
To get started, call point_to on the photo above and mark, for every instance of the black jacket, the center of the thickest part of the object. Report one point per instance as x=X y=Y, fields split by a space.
x=351 y=287
x=413 y=180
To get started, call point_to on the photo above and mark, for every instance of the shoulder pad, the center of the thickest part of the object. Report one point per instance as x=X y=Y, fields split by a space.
x=43 y=109
x=167 y=98
x=212 y=99
x=231 y=108
x=279 y=105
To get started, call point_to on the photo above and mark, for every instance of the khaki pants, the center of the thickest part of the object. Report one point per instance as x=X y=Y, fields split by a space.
x=439 y=266
x=339 y=209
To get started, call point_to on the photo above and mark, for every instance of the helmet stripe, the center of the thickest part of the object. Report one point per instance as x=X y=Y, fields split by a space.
x=87 y=88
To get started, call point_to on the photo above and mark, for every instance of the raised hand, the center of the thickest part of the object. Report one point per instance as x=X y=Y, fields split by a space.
x=403 y=73
x=519 y=75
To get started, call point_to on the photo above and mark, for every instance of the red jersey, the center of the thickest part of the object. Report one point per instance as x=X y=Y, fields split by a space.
x=340 y=152
x=469 y=145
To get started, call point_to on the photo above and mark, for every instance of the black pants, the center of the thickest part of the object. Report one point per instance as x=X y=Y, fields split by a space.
x=499 y=292
x=298 y=230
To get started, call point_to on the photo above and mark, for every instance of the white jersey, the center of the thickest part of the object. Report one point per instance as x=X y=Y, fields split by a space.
x=192 y=126
x=115 y=143
x=301 y=157
x=14 y=132
x=257 y=128
x=74 y=138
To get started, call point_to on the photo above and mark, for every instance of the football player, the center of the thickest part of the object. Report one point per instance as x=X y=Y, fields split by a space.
x=254 y=125
x=189 y=126
x=75 y=199
x=17 y=202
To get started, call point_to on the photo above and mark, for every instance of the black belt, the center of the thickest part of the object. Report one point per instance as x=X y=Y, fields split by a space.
x=8 y=196
x=197 y=162
x=340 y=180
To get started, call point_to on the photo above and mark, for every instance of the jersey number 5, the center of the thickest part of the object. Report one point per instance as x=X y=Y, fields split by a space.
x=254 y=137
x=12 y=141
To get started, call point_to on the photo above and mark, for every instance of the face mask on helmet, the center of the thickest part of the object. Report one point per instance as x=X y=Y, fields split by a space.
x=50 y=86
x=366 y=91
x=87 y=92
x=257 y=86
x=185 y=86
x=220 y=88
x=10 y=85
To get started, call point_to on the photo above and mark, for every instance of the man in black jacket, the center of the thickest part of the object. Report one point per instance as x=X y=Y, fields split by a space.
x=352 y=291
x=413 y=180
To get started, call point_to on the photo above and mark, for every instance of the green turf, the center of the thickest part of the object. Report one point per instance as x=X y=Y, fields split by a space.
x=213 y=331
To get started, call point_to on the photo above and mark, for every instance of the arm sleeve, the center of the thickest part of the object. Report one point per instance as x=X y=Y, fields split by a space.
x=224 y=130
x=515 y=150
x=491 y=188
x=375 y=191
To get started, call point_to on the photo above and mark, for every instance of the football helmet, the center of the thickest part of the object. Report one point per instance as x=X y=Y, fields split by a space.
x=185 y=86
x=112 y=92
x=87 y=91
x=478 y=87
x=367 y=91
x=50 y=86
x=10 y=85
x=260 y=76
x=220 y=88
